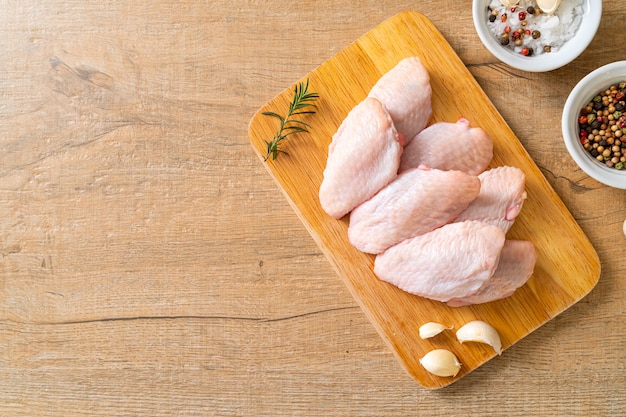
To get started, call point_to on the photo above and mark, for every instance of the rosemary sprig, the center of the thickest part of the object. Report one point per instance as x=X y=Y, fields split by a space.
x=288 y=126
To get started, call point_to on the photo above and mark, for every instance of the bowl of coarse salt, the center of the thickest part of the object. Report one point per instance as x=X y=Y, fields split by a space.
x=594 y=124
x=523 y=36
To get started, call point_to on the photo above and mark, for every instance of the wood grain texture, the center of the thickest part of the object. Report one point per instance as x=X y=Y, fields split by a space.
x=151 y=267
x=567 y=268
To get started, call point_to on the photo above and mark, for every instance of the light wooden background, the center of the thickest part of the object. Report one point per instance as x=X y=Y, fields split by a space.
x=149 y=266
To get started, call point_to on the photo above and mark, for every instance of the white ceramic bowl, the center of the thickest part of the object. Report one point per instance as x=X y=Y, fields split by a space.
x=545 y=61
x=582 y=93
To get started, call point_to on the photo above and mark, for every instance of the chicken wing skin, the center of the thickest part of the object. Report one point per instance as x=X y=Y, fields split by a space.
x=450 y=262
x=515 y=267
x=363 y=157
x=502 y=195
x=406 y=92
x=416 y=202
x=448 y=146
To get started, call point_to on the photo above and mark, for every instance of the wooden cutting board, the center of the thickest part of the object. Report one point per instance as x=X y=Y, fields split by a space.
x=567 y=266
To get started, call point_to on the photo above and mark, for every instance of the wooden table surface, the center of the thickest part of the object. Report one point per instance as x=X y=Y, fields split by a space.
x=151 y=267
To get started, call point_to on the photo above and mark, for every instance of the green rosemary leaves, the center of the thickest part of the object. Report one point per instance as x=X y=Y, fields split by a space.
x=302 y=99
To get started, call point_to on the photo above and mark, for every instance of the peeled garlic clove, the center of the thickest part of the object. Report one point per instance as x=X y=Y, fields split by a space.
x=509 y=3
x=441 y=362
x=548 y=6
x=481 y=332
x=431 y=329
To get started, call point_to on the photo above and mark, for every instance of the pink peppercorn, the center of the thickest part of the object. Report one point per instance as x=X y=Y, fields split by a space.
x=522 y=15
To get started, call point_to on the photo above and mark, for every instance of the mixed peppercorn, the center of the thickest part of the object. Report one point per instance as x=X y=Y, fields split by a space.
x=513 y=34
x=602 y=126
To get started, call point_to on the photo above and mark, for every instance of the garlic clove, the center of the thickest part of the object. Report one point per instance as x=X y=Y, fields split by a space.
x=548 y=6
x=431 y=329
x=509 y=3
x=624 y=227
x=481 y=332
x=441 y=362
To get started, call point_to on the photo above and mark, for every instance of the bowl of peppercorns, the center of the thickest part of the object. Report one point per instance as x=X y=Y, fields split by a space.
x=523 y=36
x=594 y=124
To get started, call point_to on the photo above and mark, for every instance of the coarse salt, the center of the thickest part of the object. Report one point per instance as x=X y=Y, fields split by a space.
x=555 y=29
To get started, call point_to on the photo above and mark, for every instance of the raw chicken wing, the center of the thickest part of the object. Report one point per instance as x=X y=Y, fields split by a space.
x=451 y=262
x=406 y=92
x=363 y=157
x=449 y=146
x=416 y=202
